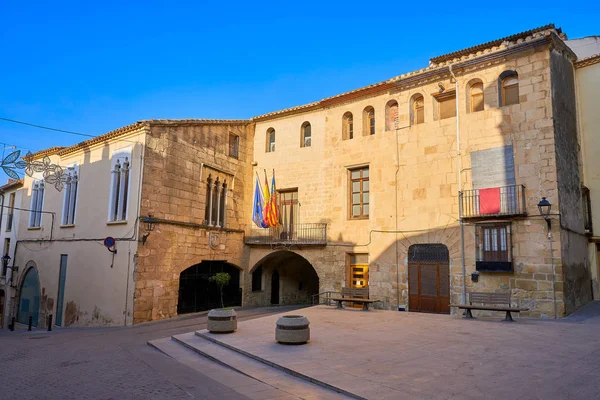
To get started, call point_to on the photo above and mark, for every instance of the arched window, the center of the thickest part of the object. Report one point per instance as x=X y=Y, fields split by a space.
x=509 y=88
x=391 y=115
x=417 y=109
x=305 y=135
x=347 y=126
x=270 y=140
x=369 y=121
x=475 y=97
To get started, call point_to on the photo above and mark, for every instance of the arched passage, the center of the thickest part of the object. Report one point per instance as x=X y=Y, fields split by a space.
x=283 y=277
x=429 y=278
x=29 y=298
x=198 y=293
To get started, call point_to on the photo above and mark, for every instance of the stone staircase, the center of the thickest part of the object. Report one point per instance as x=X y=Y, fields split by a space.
x=194 y=348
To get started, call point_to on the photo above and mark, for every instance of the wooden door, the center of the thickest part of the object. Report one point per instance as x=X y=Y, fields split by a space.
x=428 y=287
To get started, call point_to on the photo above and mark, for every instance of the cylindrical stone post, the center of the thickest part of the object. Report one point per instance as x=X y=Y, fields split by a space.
x=292 y=329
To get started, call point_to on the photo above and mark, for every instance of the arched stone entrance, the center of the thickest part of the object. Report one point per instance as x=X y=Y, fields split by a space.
x=283 y=277
x=29 y=298
x=198 y=293
x=429 y=278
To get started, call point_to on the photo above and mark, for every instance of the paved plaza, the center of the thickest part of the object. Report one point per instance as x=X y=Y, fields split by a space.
x=117 y=363
x=396 y=355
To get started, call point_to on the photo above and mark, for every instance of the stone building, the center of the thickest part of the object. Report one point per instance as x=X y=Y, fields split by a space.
x=396 y=169
x=423 y=188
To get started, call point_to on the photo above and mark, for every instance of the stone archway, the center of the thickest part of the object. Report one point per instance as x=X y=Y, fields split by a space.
x=296 y=280
x=198 y=293
x=29 y=298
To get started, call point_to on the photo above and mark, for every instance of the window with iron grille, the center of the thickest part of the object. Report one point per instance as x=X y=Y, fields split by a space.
x=359 y=193
x=494 y=246
x=234 y=145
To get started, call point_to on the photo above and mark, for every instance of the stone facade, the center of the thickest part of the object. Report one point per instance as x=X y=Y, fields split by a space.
x=414 y=176
x=180 y=156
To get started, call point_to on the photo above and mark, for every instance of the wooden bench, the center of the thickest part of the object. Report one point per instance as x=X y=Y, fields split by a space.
x=490 y=302
x=354 y=295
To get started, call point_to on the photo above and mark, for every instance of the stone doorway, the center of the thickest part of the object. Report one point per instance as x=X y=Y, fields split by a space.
x=198 y=293
x=285 y=278
x=429 y=278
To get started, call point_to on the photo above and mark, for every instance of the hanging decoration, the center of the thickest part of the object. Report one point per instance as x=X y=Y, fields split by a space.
x=53 y=174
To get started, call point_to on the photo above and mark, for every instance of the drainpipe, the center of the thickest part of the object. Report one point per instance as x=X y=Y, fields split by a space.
x=458 y=170
x=396 y=204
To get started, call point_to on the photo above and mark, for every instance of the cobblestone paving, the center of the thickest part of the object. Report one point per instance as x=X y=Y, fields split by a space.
x=106 y=363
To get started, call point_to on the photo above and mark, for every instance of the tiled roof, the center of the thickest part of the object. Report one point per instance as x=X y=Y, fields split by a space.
x=586 y=62
x=11 y=183
x=46 y=152
x=140 y=124
x=101 y=138
x=493 y=43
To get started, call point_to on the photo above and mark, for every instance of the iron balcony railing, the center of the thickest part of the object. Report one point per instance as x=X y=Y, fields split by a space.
x=296 y=234
x=493 y=202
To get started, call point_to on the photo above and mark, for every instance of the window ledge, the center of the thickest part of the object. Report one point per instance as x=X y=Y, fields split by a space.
x=358 y=219
x=117 y=222
x=68 y=226
x=34 y=228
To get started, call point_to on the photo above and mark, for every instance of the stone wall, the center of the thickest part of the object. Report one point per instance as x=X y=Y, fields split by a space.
x=575 y=261
x=179 y=157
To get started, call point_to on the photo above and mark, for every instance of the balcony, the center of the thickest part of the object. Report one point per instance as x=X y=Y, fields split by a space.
x=506 y=201
x=288 y=235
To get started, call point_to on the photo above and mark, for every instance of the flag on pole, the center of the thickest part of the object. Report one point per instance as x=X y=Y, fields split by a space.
x=257 y=211
x=267 y=202
x=272 y=214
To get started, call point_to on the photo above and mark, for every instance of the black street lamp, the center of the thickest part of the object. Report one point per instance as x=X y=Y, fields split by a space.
x=544 y=206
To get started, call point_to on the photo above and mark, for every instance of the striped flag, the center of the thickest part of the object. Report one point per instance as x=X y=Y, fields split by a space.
x=267 y=202
x=272 y=214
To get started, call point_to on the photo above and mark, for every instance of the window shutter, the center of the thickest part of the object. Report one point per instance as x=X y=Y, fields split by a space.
x=448 y=108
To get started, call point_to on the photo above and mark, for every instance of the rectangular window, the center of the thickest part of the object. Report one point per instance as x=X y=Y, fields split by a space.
x=359 y=193
x=119 y=188
x=257 y=279
x=493 y=241
x=11 y=212
x=37 y=202
x=288 y=201
x=358 y=270
x=447 y=105
x=5 y=253
x=70 y=195
x=234 y=145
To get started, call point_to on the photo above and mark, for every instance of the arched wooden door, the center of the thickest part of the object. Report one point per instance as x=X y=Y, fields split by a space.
x=429 y=278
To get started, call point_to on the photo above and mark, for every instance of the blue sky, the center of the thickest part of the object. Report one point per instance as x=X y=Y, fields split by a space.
x=93 y=67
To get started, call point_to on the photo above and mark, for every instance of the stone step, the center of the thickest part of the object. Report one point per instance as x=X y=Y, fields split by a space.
x=255 y=369
x=241 y=384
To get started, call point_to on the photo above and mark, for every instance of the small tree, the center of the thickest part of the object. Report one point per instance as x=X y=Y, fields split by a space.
x=221 y=279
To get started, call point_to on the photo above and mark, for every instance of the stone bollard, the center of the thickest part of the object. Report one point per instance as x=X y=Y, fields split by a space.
x=222 y=320
x=292 y=329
